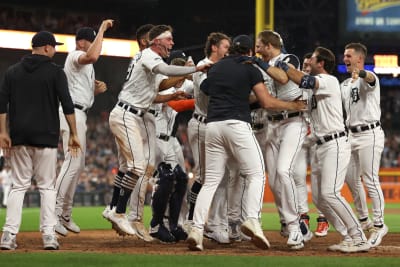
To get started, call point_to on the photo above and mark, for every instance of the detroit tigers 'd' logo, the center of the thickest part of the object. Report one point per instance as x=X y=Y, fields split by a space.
x=355 y=96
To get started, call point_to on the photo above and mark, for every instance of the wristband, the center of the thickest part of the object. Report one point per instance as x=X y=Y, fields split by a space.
x=362 y=74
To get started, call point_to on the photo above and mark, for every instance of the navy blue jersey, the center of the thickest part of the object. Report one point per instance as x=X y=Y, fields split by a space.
x=228 y=86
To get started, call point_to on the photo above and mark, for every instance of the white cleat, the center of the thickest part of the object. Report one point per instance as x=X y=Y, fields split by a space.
x=377 y=234
x=60 y=229
x=252 y=228
x=121 y=223
x=8 y=241
x=355 y=246
x=337 y=247
x=295 y=240
x=50 y=242
x=220 y=236
x=141 y=231
x=195 y=239
x=70 y=225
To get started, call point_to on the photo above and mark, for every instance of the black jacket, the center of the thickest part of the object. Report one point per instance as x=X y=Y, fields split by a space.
x=33 y=89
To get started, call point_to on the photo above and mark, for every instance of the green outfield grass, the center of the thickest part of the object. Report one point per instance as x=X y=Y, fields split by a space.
x=118 y=260
x=90 y=218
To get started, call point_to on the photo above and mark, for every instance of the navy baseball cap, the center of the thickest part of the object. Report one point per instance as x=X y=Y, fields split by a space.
x=85 y=33
x=176 y=54
x=243 y=41
x=43 y=38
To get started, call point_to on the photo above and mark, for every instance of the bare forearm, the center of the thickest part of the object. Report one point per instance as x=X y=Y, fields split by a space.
x=3 y=123
x=71 y=123
x=278 y=75
x=170 y=82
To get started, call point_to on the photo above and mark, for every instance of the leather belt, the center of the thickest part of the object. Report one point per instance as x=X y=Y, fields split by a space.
x=330 y=137
x=152 y=111
x=257 y=126
x=283 y=116
x=163 y=137
x=200 y=118
x=362 y=128
x=131 y=109
x=80 y=107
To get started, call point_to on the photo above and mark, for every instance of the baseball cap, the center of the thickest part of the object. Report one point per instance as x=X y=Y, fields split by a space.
x=43 y=38
x=176 y=54
x=243 y=41
x=85 y=33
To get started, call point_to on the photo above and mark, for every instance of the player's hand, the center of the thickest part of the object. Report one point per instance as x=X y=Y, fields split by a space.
x=179 y=95
x=106 y=24
x=204 y=68
x=5 y=141
x=300 y=105
x=74 y=146
x=355 y=74
x=99 y=87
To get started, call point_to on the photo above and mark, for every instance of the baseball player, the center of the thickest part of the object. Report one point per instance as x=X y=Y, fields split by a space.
x=171 y=182
x=31 y=94
x=137 y=199
x=83 y=87
x=229 y=135
x=286 y=134
x=333 y=149
x=237 y=186
x=216 y=47
x=361 y=98
x=300 y=168
x=129 y=127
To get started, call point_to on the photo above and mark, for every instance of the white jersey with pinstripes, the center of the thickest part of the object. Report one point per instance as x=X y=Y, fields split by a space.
x=326 y=107
x=361 y=101
x=80 y=79
x=140 y=90
x=201 y=104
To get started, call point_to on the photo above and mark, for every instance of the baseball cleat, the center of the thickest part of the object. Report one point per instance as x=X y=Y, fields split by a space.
x=70 y=225
x=60 y=229
x=219 y=236
x=141 y=231
x=377 y=234
x=121 y=224
x=8 y=241
x=322 y=227
x=252 y=228
x=195 y=239
x=355 y=246
x=337 y=247
x=162 y=233
x=295 y=240
x=50 y=242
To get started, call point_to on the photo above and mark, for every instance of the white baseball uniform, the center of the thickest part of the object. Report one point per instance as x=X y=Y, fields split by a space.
x=362 y=104
x=81 y=87
x=332 y=153
x=6 y=182
x=286 y=133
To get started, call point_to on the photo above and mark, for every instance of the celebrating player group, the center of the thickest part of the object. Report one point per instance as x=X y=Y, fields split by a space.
x=253 y=116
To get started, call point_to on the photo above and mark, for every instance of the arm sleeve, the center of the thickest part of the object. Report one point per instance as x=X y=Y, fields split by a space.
x=172 y=70
x=182 y=105
x=63 y=93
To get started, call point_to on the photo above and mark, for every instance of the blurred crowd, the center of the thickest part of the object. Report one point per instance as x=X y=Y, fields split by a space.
x=54 y=20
